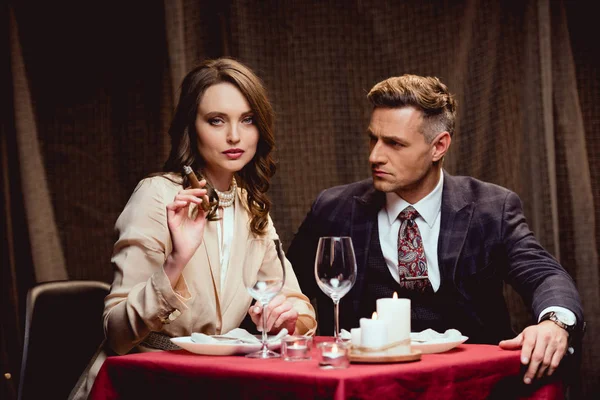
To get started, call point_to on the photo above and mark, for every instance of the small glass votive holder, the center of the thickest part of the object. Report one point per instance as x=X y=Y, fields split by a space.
x=296 y=348
x=333 y=355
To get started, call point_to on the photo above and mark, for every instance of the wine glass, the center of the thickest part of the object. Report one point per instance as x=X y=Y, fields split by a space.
x=264 y=277
x=335 y=271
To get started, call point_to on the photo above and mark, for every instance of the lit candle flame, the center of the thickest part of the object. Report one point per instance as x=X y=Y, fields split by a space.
x=374 y=316
x=395 y=296
x=334 y=348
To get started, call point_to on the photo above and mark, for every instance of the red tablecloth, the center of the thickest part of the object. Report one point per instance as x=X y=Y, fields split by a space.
x=466 y=372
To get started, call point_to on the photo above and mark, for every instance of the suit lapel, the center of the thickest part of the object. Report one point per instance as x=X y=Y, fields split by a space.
x=211 y=245
x=364 y=213
x=234 y=277
x=456 y=218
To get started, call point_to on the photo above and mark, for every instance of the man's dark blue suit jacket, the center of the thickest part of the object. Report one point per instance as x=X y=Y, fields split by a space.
x=484 y=241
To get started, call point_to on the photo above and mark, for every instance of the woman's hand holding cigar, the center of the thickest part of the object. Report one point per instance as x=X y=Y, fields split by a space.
x=206 y=204
x=187 y=231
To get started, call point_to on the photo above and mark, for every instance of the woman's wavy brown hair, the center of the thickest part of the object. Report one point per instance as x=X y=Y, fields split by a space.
x=255 y=176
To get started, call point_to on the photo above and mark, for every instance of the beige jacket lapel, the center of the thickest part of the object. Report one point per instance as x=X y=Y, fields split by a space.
x=211 y=244
x=234 y=279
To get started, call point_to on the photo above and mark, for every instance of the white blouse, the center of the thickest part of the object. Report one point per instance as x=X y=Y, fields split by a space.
x=225 y=235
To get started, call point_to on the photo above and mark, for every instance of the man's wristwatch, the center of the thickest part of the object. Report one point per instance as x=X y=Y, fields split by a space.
x=569 y=326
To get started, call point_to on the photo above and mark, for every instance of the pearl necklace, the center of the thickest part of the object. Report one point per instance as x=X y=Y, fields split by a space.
x=226 y=198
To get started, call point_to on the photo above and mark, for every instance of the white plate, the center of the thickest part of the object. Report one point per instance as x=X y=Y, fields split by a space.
x=438 y=345
x=224 y=348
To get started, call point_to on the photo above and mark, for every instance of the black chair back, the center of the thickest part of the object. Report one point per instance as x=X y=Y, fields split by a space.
x=63 y=330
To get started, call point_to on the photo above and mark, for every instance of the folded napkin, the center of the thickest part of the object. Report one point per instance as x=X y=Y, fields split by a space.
x=345 y=335
x=429 y=334
x=237 y=335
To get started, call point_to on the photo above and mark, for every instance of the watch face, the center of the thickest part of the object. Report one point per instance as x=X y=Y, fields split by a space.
x=565 y=318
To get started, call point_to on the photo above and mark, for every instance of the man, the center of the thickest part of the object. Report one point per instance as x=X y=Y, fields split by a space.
x=446 y=242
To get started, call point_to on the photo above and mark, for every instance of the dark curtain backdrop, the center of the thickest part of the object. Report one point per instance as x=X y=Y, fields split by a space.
x=88 y=90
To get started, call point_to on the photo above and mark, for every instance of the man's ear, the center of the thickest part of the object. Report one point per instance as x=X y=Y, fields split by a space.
x=441 y=143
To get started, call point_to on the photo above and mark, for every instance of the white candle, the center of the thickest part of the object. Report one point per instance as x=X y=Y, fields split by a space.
x=396 y=312
x=355 y=333
x=330 y=355
x=373 y=332
x=333 y=356
x=296 y=350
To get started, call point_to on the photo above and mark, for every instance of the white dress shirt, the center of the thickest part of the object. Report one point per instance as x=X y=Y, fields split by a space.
x=225 y=235
x=428 y=221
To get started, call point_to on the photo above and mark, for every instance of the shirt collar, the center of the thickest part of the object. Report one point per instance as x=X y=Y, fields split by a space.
x=428 y=207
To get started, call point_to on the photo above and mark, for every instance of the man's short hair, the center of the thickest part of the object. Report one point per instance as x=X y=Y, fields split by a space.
x=424 y=93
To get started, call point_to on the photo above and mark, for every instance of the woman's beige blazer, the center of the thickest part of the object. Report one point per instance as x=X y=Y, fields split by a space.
x=142 y=300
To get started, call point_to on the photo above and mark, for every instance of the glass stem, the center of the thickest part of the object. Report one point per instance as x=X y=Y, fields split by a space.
x=336 y=316
x=264 y=348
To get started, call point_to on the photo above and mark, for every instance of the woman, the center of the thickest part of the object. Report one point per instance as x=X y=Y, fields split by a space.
x=177 y=271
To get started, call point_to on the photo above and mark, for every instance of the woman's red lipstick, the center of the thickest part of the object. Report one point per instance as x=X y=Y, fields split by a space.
x=233 y=154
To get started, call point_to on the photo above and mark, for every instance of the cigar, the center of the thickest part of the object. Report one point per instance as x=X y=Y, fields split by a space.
x=189 y=172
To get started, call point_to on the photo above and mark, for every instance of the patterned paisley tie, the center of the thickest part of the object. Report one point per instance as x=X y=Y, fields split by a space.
x=412 y=265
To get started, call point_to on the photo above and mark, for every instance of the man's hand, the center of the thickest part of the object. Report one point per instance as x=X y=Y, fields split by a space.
x=542 y=348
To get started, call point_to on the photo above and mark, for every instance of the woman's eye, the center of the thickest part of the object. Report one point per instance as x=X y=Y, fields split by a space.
x=215 y=121
x=248 y=120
